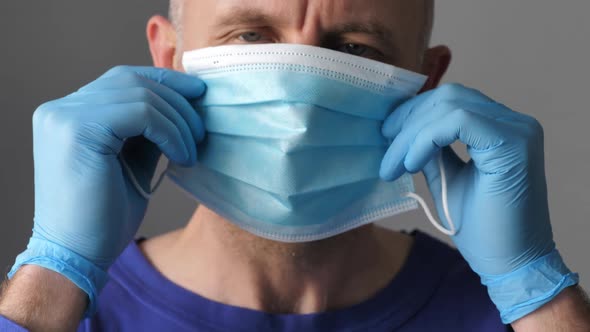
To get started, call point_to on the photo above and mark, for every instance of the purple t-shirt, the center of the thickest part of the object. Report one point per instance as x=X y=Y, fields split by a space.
x=434 y=291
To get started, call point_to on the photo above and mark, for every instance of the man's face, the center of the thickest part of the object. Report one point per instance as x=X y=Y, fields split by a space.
x=390 y=31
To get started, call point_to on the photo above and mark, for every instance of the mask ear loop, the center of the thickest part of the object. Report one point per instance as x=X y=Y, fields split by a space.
x=443 y=184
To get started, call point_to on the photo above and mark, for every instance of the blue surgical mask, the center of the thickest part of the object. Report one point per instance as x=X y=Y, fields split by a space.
x=294 y=142
x=294 y=145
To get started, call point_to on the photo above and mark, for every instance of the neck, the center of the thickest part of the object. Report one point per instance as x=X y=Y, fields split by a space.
x=248 y=271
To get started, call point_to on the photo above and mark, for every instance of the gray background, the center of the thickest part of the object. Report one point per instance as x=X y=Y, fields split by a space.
x=530 y=54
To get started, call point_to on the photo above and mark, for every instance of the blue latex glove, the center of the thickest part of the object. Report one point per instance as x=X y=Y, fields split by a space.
x=86 y=208
x=497 y=200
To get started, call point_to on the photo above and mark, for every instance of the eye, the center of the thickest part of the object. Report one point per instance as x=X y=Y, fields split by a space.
x=250 y=37
x=360 y=50
x=354 y=49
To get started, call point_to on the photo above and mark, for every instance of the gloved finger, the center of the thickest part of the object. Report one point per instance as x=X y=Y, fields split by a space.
x=177 y=101
x=433 y=173
x=448 y=94
x=392 y=165
x=451 y=163
x=394 y=123
x=186 y=110
x=141 y=95
x=424 y=115
x=476 y=131
x=143 y=119
x=186 y=85
x=433 y=111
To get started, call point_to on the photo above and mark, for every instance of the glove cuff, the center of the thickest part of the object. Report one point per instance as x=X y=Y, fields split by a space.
x=83 y=273
x=524 y=290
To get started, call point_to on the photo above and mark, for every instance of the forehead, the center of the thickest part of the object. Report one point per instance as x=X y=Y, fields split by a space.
x=402 y=17
x=325 y=10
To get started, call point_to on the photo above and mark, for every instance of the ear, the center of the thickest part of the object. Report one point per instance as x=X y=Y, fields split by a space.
x=161 y=37
x=436 y=63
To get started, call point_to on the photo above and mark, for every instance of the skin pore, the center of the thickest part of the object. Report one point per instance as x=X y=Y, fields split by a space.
x=218 y=260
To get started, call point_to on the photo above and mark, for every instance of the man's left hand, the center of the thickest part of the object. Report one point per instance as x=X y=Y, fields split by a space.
x=497 y=200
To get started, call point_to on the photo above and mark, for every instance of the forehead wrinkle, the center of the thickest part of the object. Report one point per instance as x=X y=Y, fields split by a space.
x=270 y=12
x=406 y=22
x=390 y=16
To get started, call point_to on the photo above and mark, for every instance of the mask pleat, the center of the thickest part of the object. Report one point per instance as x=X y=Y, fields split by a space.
x=293 y=144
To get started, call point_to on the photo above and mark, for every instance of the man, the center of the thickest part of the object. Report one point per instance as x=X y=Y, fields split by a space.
x=93 y=160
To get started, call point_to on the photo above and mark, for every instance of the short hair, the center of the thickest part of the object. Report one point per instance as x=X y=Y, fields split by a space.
x=175 y=13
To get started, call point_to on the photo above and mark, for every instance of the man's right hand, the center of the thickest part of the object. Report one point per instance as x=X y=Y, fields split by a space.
x=87 y=208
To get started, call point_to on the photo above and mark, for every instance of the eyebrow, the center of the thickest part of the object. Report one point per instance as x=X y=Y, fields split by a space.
x=369 y=28
x=248 y=16
x=245 y=16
